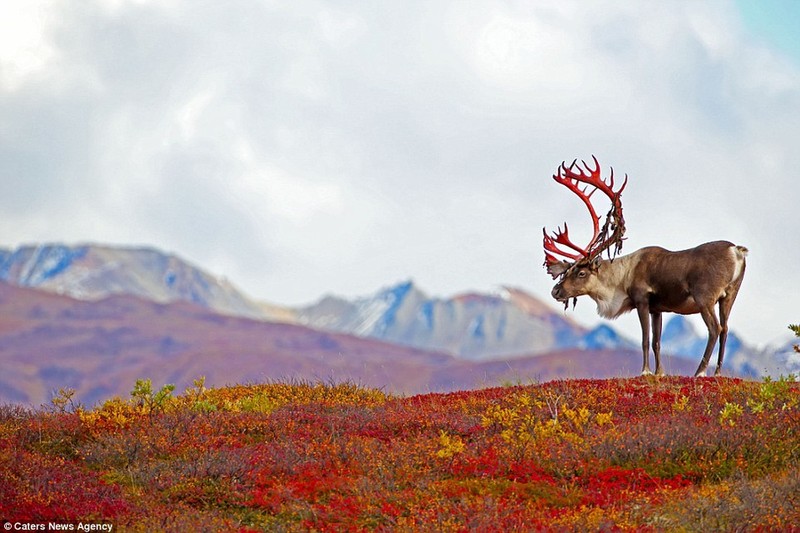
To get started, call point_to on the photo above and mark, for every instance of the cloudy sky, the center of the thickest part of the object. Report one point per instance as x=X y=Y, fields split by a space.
x=309 y=147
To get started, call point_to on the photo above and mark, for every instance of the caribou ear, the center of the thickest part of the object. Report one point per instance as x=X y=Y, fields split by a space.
x=557 y=268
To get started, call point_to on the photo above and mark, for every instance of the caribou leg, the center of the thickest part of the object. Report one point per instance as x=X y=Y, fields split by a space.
x=656 y=321
x=725 y=305
x=643 y=312
x=723 y=335
x=710 y=318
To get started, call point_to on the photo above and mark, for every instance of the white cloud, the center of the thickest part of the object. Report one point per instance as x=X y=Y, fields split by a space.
x=24 y=48
x=263 y=187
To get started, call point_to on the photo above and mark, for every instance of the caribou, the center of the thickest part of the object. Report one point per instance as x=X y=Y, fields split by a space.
x=651 y=280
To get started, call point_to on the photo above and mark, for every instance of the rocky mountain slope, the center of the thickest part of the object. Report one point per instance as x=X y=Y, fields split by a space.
x=93 y=272
x=471 y=326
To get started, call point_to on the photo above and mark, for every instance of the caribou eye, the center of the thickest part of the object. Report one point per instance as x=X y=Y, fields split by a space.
x=582 y=274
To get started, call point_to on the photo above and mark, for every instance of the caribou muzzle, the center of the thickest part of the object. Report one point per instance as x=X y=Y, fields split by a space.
x=558 y=293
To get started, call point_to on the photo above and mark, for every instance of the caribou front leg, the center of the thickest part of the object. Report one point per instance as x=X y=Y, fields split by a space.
x=644 y=316
x=656 y=320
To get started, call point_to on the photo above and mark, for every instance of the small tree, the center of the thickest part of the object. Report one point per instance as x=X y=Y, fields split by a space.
x=796 y=329
x=149 y=401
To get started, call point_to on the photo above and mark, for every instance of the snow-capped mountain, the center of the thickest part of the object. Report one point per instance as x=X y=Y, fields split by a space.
x=789 y=357
x=769 y=361
x=604 y=337
x=92 y=272
x=472 y=326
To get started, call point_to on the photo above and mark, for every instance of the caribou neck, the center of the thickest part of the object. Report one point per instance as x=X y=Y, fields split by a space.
x=614 y=277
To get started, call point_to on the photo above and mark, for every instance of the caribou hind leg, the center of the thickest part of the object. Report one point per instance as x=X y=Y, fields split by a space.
x=710 y=318
x=725 y=306
x=723 y=335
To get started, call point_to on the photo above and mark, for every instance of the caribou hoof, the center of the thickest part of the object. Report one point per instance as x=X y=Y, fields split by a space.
x=646 y=372
x=700 y=374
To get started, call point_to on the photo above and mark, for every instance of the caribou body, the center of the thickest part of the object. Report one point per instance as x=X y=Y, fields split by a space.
x=651 y=280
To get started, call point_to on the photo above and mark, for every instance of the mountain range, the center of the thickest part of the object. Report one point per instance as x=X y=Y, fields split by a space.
x=98 y=317
x=91 y=272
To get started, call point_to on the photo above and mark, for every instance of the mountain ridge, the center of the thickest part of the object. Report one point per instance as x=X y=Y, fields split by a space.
x=93 y=271
x=469 y=325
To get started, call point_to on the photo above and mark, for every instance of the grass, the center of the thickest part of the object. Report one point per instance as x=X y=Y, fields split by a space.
x=677 y=454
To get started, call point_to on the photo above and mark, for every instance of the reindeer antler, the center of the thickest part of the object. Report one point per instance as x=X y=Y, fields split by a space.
x=603 y=238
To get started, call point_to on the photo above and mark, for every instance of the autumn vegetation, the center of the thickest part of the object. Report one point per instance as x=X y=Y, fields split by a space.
x=643 y=454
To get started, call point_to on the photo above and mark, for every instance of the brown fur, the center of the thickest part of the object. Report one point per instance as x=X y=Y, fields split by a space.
x=653 y=281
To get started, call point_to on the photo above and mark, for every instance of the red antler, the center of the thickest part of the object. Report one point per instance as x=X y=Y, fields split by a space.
x=602 y=238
